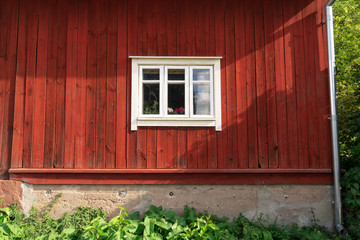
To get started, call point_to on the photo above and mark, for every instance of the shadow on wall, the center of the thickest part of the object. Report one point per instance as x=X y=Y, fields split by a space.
x=274 y=102
x=72 y=94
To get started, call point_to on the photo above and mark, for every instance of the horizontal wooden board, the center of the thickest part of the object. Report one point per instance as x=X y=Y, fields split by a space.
x=161 y=171
x=171 y=178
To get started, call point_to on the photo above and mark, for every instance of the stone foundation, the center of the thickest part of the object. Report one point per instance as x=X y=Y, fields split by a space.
x=10 y=192
x=286 y=203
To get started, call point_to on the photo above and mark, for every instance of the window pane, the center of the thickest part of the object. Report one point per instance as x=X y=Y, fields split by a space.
x=151 y=74
x=176 y=99
x=201 y=95
x=176 y=74
x=201 y=74
x=151 y=99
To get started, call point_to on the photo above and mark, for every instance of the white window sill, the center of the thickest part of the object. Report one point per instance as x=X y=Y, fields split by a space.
x=176 y=122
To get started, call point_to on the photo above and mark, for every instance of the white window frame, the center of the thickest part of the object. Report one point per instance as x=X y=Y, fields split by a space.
x=164 y=119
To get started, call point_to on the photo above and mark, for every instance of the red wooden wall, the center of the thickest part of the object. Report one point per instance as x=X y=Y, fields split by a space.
x=72 y=88
x=8 y=36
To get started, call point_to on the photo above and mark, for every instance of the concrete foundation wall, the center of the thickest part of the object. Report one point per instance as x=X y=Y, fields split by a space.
x=287 y=203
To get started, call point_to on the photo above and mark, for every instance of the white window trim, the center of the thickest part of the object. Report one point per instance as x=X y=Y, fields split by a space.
x=180 y=121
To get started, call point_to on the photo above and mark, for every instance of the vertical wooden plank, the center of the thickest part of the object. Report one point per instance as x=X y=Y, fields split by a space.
x=210 y=28
x=141 y=149
x=200 y=50
x=180 y=51
x=301 y=87
x=151 y=144
x=91 y=67
x=8 y=65
x=19 y=106
x=190 y=34
x=32 y=32
x=145 y=28
x=200 y=23
x=132 y=50
x=40 y=87
x=142 y=17
x=220 y=51
x=280 y=79
x=121 y=85
x=60 y=87
x=190 y=48
x=111 y=83
x=241 y=94
x=166 y=45
x=146 y=46
x=162 y=148
x=182 y=148
x=101 y=85
x=211 y=51
x=80 y=140
x=261 y=104
x=3 y=75
x=270 y=83
x=171 y=27
x=152 y=133
x=328 y=154
x=322 y=75
x=289 y=21
x=231 y=160
x=212 y=148
x=171 y=158
x=70 y=94
x=181 y=29
x=202 y=142
x=251 y=84
x=309 y=23
x=156 y=29
x=157 y=45
x=49 y=151
x=192 y=149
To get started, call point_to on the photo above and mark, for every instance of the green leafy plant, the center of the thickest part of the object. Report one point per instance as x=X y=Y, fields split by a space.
x=156 y=224
x=347 y=48
x=351 y=202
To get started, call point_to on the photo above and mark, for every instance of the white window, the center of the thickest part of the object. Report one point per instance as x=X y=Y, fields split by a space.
x=175 y=91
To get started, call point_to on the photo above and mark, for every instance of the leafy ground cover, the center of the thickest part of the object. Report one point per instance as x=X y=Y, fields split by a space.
x=351 y=201
x=89 y=223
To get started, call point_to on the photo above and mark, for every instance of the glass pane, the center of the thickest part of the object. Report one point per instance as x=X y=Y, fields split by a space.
x=151 y=74
x=201 y=95
x=201 y=74
x=151 y=99
x=176 y=74
x=176 y=99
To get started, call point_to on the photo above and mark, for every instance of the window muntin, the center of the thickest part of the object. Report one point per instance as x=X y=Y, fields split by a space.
x=175 y=91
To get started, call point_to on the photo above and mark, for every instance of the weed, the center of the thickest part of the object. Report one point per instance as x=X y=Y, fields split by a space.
x=351 y=203
x=156 y=224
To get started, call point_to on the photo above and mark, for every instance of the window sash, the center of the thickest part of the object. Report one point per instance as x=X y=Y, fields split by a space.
x=211 y=86
x=141 y=89
x=163 y=82
x=167 y=82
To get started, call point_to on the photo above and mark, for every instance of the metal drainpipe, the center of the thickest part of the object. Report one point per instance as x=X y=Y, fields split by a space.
x=333 y=118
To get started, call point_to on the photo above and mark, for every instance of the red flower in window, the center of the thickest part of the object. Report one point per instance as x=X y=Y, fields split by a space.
x=179 y=110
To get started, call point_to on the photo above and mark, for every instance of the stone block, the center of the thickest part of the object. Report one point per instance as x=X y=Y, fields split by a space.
x=10 y=192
